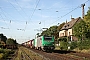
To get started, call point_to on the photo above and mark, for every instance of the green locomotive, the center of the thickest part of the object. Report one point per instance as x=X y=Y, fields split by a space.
x=45 y=43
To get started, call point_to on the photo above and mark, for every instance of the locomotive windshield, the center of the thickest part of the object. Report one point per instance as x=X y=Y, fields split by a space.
x=47 y=38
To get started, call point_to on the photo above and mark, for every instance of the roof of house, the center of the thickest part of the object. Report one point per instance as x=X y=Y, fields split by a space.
x=70 y=24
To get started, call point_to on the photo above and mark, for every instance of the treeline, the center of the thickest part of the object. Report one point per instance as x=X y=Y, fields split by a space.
x=8 y=41
x=52 y=31
x=82 y=29
x=7 y=47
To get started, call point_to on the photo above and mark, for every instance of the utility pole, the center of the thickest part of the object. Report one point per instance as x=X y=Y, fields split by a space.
x=82 y=5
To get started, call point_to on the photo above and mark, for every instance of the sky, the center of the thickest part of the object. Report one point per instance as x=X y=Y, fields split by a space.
x=23 y=19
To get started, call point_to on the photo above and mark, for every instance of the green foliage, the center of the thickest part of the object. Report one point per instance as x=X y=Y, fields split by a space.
x=11 y=41
x=87 y=16
x=73 y=45
x=87 y=20
x=1 y=56
x=53 y=31
x=63 y=45
x=62 y=39
x=85 y=44
x=5 y=53
x=3 y=38
x=80 y=30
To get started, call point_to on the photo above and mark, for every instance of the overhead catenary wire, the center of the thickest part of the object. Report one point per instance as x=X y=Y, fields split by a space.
x=5 y=23
x=31 y=16
x=16 y=9
x=10 y=21
x=33 y=12
x=9 y=16
x=65 y=15
x=26 y=22
x=24 y=13
x=69 y=12
x=19 y=14
x=22 y=9
x=5 y=14
x=8 y=26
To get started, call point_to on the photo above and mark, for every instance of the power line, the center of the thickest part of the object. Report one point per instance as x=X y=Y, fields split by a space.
x=10 y=20
x=16 y=9
x=66 y=14
x=4 y=21
x=31 y=15
x=33 y=12
x=21 y=8
x=35 y=9
x=69 y=12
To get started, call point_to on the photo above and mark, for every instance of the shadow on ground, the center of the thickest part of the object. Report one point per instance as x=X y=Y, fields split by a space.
x=63 y=51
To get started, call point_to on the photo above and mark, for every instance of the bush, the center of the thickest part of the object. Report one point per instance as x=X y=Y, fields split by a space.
x=1 y=56
x=63 y=45
x=85 y=44
x=5 y=53
x=73 y=45
x=1 y=50
x=63 y=39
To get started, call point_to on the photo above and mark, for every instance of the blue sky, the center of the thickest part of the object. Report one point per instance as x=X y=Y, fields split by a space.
x=19 y=19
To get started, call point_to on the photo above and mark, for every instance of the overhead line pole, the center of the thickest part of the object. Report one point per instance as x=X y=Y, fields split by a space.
x=82 y=5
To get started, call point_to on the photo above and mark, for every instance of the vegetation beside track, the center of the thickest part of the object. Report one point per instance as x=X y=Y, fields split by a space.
x=30 y=53
x=5 y=53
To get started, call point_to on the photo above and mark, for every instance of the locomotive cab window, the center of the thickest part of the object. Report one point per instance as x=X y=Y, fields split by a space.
x=47 y=38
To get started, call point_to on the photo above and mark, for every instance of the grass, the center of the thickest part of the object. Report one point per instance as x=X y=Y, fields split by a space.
x=32 y=55
x=83 y=51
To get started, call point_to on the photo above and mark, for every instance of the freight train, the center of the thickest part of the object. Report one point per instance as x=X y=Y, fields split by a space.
x=45 y=43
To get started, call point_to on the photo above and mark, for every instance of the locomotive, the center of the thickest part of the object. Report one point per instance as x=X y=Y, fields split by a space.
x=45 y=43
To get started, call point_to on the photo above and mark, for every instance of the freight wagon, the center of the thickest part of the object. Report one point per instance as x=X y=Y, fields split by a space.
x=31 y=43
x=45 y=43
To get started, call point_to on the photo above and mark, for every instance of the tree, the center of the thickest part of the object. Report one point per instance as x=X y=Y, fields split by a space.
x=11 y=41
x=3 y=38
x=80 y=30
x=53 y=30
x=45 y=33
x=87 y=20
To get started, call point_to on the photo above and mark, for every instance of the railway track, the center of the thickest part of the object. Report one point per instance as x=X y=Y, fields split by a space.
x=32 y=54
x=25 y=56
x=57 y=56
x=63 y=55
